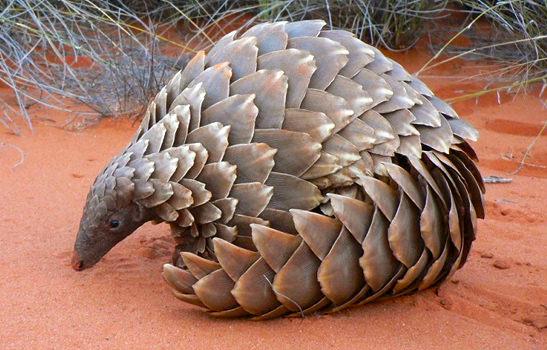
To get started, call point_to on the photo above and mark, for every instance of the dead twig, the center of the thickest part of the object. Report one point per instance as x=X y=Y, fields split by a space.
x=18 y=149
x=496 y=89
x=286 y=297
x=496 y=180
x=535 y=165
x=529 y=149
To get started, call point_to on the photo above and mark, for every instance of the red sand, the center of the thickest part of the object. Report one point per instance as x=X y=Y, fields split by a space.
x=498 y=300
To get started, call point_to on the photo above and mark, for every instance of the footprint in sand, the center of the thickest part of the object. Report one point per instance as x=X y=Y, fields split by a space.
x=514 y=127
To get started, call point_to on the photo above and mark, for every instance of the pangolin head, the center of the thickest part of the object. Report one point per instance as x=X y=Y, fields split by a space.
x=111 y=213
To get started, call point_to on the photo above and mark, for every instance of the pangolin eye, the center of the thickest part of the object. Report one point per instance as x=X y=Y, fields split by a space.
x=114 y=223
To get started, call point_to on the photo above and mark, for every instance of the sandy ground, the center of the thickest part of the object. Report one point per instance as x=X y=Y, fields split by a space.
x=497 y=301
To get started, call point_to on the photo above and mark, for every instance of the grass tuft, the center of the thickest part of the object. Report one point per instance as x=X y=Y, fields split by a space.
x=114 y=55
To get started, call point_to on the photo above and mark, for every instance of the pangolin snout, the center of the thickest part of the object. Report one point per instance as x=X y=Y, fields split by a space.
x=77 y=263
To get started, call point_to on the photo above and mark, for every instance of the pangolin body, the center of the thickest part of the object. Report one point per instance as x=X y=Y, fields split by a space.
x=300 y=170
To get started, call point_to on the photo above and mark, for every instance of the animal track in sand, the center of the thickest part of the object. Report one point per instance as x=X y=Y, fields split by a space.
x=510 y=212
x=156 y=247
x=514 y=127
x=493 y=307
x=508 y=166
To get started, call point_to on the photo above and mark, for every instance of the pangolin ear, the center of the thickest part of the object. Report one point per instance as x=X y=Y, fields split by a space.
x=124 y=191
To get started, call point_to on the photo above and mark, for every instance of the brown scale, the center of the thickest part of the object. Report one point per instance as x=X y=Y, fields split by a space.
x=300 y=170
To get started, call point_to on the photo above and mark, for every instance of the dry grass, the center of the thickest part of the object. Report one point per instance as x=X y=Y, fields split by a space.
x=102 y=55
x=114 y=55
x=510 y=37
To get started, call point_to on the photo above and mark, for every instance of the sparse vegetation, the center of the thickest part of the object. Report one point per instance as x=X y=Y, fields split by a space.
x=114 y=55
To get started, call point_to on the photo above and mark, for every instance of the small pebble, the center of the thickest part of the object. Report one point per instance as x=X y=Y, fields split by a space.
x=445 y=303
x=501 y=264
x=539 y=322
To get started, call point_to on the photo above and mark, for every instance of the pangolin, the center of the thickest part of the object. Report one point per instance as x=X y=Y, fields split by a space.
x=300 y=170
